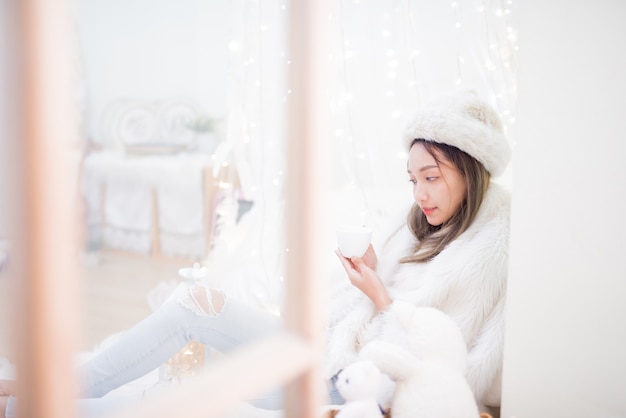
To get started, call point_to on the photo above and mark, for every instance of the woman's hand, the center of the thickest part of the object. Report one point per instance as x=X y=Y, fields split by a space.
x=364 y=278
x=370 y=258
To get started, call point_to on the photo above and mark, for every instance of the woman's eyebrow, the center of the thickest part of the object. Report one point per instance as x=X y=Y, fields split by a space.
x=426 y=167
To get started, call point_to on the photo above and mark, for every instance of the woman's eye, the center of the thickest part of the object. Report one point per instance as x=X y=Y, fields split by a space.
x=412 y=181
x=431 y=179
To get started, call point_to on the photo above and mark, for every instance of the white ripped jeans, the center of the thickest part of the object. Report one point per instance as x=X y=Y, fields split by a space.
x=201 y=314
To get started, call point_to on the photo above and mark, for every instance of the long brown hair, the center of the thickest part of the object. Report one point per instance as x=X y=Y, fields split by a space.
x=431 y=240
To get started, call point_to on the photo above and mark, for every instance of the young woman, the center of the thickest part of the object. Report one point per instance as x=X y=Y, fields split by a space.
x=450 y=253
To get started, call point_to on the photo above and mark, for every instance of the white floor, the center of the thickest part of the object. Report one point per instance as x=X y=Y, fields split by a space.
x=115 y=288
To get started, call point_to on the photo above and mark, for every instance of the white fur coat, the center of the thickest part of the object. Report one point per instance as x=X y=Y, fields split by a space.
x=467 y=280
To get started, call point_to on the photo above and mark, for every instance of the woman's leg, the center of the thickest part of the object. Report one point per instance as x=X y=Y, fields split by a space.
x=201 y=314
x=102 y=407
x=85 y=408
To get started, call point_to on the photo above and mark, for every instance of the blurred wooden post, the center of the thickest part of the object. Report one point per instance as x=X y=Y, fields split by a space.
x=306 y=209
x=47 y=320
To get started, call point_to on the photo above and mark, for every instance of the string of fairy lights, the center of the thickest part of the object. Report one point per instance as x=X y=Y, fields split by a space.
x=384 y=58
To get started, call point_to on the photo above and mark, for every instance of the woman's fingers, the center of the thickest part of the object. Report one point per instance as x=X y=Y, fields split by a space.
x=347 y=264
x=359 y=264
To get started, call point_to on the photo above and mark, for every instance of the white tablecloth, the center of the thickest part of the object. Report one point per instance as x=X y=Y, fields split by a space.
x=129 y=182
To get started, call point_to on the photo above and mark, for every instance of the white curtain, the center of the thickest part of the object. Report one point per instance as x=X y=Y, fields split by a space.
x=386 y=57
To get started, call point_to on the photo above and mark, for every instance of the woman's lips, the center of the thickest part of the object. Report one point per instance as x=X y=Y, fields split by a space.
x=428 y=211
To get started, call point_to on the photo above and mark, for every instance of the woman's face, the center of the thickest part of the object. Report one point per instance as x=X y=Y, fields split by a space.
x=438 y=188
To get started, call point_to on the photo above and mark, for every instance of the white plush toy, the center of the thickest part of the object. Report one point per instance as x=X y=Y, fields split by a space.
x=427 y=333
x=423 y=351
x=423 y=389
x=359 y=384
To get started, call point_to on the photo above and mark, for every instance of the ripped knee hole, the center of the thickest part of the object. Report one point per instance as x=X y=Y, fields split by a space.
x=206 y=301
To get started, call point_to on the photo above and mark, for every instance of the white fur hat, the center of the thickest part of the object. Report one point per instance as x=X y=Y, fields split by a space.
x=467 y=122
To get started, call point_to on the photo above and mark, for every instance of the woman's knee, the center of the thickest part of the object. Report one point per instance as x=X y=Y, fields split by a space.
x=204 y=301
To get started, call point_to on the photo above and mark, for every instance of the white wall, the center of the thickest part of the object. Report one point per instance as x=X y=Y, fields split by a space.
x=153 y=50
x=566 y=337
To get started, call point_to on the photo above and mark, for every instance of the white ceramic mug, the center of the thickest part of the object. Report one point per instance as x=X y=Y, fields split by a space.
x=353 y=240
